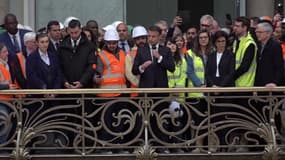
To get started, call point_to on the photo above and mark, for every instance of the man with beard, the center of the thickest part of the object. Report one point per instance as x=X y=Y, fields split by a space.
x=140 y=37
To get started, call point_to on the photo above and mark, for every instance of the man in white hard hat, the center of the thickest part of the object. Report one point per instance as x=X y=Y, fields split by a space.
x=111 y=75
x=110 y=55
x=139 y=35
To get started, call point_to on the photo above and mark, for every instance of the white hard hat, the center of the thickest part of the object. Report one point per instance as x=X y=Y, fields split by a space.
x=111 y=35
x=108 y=27
x=139 y=31
x=61 y=26
x=68 y=19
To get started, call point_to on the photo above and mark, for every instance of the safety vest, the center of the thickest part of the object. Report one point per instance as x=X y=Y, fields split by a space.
x=5 y=78
x=132 y=54
x=177 y=79
x=22 y=61
x=113 y=76
x=247 y=79
x=199 y=70
x=283 y=49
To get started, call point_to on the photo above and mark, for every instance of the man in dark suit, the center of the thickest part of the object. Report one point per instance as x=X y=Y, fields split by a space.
x=152 y=61
x=270 y=67
x=77 y=58
x=54 y=34
x=13 y=37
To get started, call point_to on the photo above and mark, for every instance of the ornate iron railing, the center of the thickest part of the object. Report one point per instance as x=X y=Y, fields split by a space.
x=76 y=122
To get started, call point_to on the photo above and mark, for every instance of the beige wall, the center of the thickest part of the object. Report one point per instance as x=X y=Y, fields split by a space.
x=259 y=8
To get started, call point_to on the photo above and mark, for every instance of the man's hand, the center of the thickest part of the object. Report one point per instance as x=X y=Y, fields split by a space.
x=97 y=79
x=270 y=85
x=77 y=85
x=155 y=54
x=13 y=86
x=67 y=85
x=146 y=64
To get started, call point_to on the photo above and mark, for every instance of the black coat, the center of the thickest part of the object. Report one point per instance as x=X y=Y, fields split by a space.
x=226 y=69
x=76 y=64
x=270 y=65
x=155 y=76
x=42 y=76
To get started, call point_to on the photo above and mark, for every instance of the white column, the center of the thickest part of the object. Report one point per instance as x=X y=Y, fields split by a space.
x=29 y=13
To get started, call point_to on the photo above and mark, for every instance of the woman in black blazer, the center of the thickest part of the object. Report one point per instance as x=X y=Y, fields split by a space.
x=221 y=63
x=219 y=73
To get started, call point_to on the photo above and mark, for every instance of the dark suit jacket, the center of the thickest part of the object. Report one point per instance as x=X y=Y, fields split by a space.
x=51 y=47
x=5 y=38
x=270 y=65
x=226 y=69
x=155 y=76
x=42 y=76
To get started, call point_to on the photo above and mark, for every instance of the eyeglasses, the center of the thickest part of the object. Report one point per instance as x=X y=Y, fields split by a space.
x=205 y=25
x=259 y=32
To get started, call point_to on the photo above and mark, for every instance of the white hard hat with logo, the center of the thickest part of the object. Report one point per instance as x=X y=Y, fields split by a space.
x=139 y=31
x=111 y=35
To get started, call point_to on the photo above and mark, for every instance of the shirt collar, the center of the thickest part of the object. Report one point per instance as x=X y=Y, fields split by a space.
x=42 y=54
x=11 y=35
x=77 y=41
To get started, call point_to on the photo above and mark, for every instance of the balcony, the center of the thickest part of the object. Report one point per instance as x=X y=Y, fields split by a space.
x=226 y=123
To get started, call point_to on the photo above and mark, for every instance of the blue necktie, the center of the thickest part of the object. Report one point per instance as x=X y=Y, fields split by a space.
x=123 y=46
x=16 y=44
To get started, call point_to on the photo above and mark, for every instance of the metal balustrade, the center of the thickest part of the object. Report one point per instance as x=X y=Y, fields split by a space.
x=76 y=123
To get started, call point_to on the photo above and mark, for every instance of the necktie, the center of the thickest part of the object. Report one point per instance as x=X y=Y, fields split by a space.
x=123 y=46
x=16 y=44
x=56 y=45
x=74 y=44
x=152 y=56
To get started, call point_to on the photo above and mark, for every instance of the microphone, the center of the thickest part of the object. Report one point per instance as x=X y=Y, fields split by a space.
x=153 y=47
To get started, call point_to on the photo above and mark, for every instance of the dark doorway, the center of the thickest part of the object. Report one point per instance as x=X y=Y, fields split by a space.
x=191 y=12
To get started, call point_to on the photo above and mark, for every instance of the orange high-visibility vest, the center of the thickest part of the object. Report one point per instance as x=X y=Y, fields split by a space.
x=132 y=54
x=113 y=76
x=283 y=49
x=22 y=61
x=5 y=78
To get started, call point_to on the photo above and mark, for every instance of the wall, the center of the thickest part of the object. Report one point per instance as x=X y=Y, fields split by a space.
x=221 y=8
x=104 y=12
x=147 y=12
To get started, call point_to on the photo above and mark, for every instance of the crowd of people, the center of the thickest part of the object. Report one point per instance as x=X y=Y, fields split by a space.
x=245 y=53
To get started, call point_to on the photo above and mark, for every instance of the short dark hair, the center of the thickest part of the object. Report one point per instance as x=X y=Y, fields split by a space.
x=74 y=23
x=245 y=21
x=52 y=23
x=219 y=34
x=8 y=16
x=154 y=29
x=41 y=35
